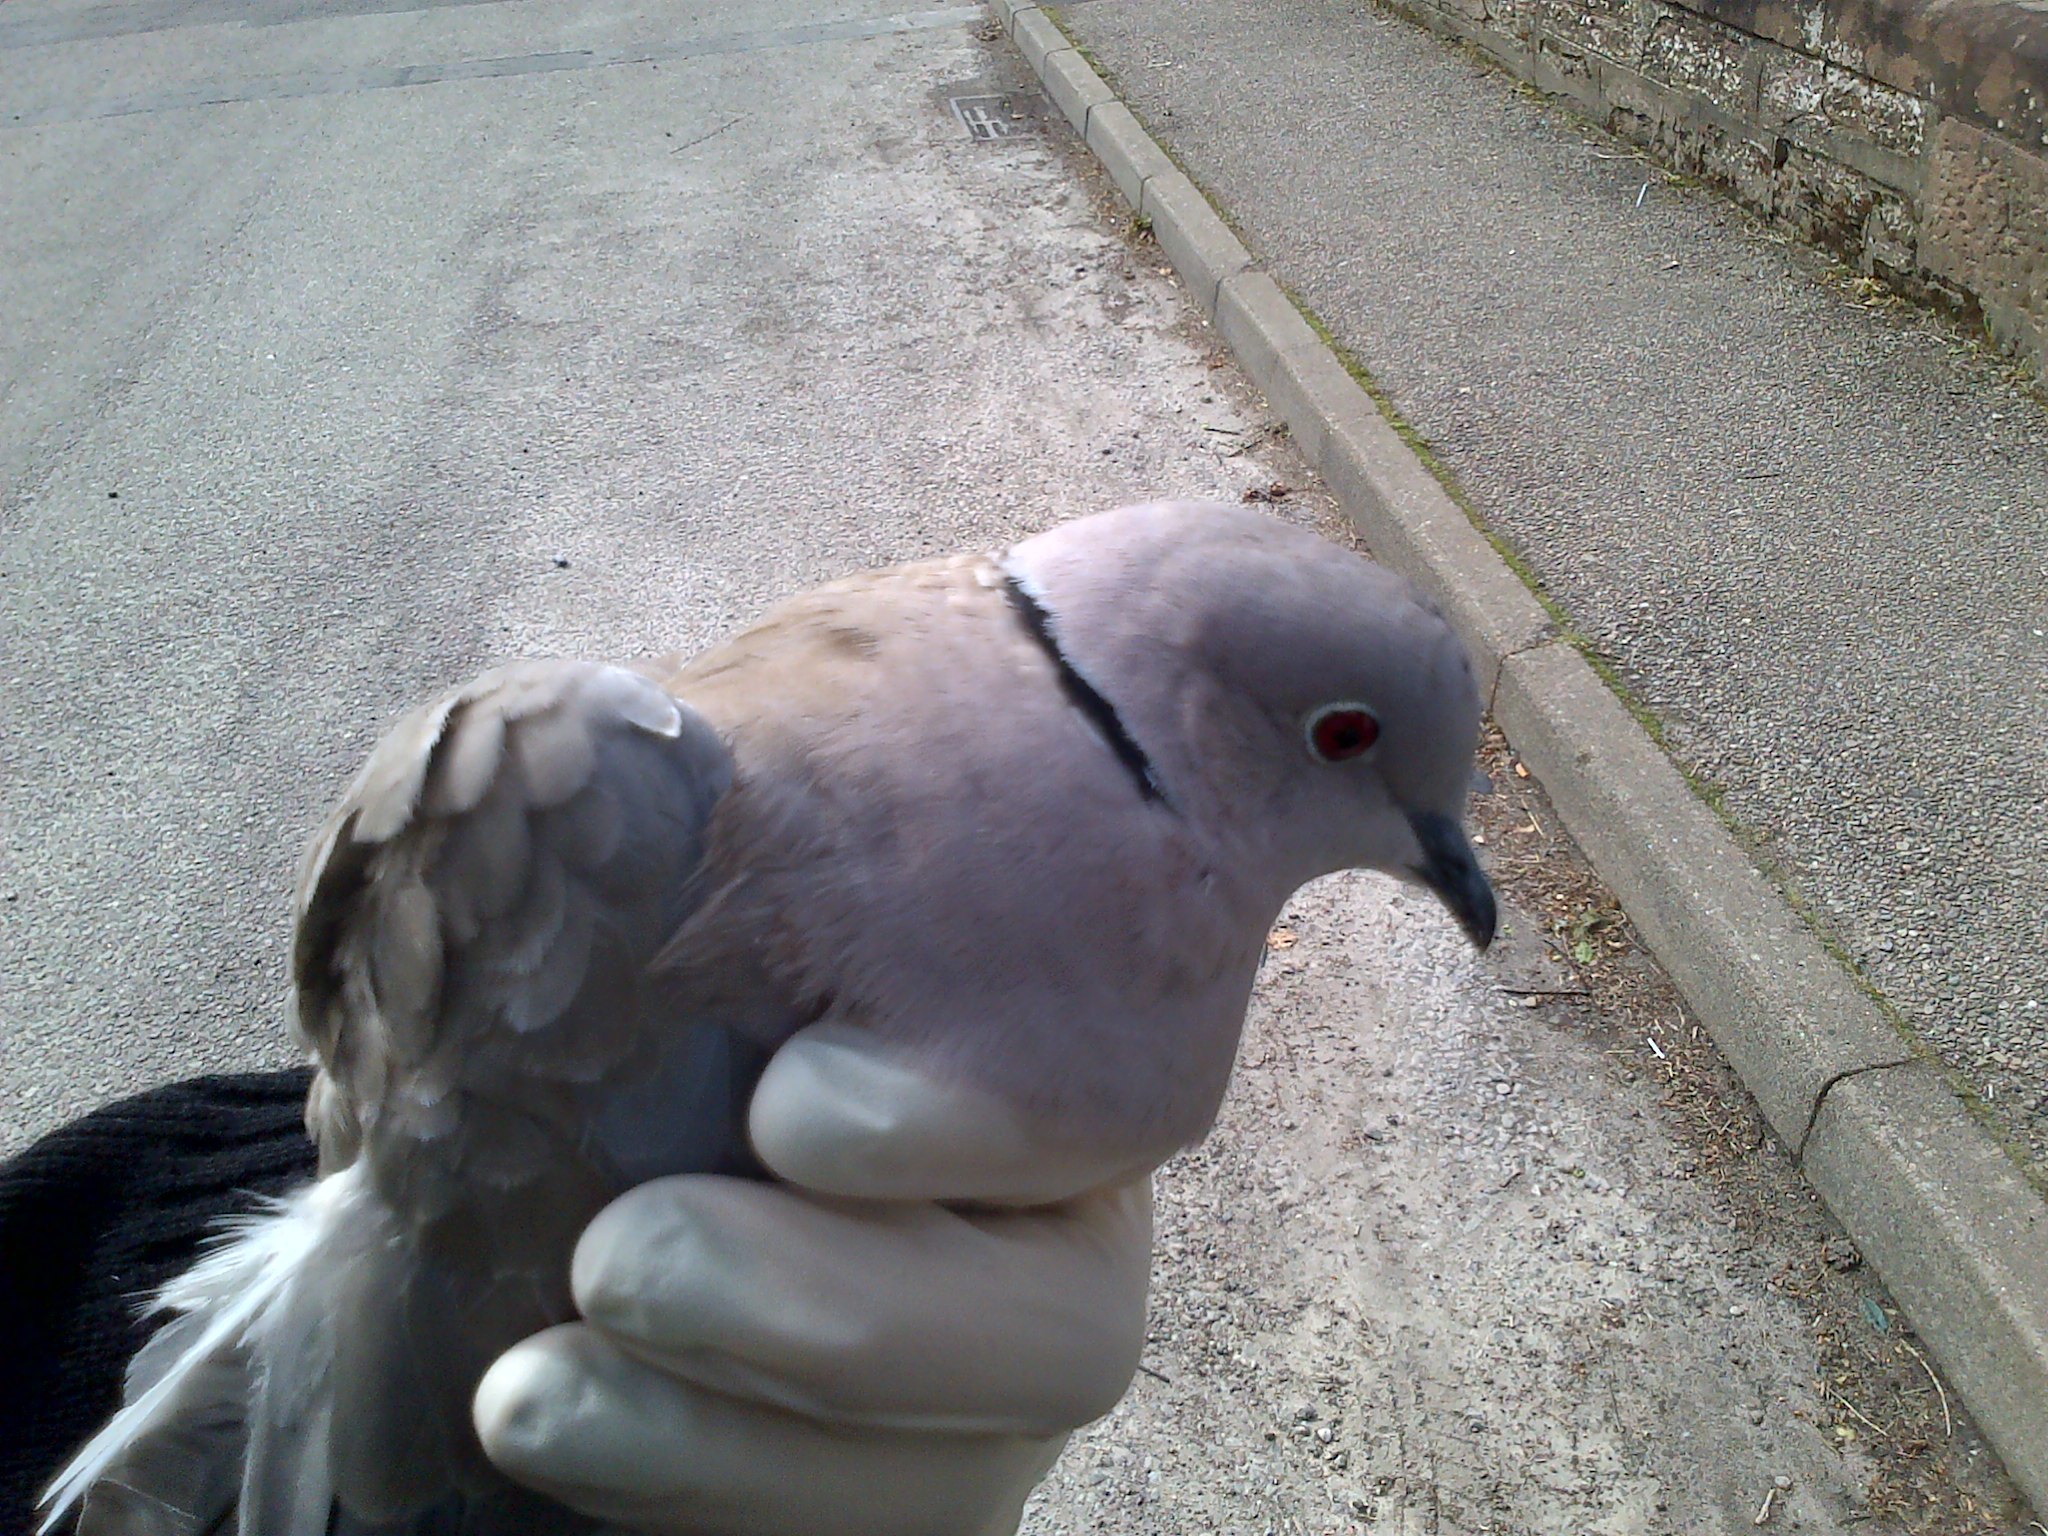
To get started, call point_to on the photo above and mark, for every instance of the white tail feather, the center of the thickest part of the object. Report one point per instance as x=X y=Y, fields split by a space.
x=247 y=1274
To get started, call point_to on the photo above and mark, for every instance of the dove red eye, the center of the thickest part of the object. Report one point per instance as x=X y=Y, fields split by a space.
x=1342 y=731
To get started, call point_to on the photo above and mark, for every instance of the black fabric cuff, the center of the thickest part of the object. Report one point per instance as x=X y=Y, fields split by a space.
x=93 y=1219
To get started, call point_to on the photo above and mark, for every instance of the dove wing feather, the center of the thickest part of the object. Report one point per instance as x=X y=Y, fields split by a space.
x=473 y=965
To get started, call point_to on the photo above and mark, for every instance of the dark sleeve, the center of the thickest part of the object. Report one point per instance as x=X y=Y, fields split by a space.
x=93 y=1219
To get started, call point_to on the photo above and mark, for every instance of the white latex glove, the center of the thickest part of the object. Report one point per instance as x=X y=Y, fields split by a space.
x=767 y=1360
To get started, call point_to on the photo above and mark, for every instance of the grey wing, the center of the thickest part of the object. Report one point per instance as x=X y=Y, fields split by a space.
x=499 y=1054
x=476 y=921
x=473 y=967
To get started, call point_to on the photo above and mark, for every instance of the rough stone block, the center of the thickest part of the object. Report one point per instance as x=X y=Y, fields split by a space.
x=1511 y=20
x=1564 y=70
x=1984 y=227
x=1639 y=105
x=1614 y=29
x=1842 y=114
x=1891 y=239
x=1822 y=200
x=1986 y=62
x=1888 y=118
x=1702 y=58
x=1790 y=86
x=1806 y=26
x=1748 y=166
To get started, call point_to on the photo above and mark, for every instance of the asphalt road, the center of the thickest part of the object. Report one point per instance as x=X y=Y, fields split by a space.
x=350 y=347
x=324 y=395
x=1809 y=529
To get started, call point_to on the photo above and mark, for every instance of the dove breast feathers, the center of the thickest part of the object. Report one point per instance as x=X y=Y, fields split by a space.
x=555 y=888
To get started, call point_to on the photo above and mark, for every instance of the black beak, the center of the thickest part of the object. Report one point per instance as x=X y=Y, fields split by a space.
x=1451 y=869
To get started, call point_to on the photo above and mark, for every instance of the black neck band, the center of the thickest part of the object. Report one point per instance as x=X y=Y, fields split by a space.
x=1082 y=695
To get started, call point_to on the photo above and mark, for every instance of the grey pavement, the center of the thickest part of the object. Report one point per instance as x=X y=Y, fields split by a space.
x=350 y=346
x=1808 y=529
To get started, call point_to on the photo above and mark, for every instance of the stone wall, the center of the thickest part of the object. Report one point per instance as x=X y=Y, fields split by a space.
x=1910 y=136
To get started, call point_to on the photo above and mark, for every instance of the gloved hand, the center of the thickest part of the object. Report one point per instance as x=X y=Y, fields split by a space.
x=769 y=1360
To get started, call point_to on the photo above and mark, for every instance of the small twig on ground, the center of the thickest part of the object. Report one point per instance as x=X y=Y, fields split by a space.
x=1879 y=1428
x=1948 y=1423
x=1543 y=991
x=1148 y=1371
x=714 y=133
x=1763 y=1515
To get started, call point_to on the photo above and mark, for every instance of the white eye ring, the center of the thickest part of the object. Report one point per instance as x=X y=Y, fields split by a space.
x=1342 y=732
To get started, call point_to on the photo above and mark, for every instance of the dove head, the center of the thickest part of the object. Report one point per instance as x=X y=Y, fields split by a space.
x=1307 y=708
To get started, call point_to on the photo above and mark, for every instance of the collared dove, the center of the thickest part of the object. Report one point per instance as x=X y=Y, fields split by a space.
x=1020 y=821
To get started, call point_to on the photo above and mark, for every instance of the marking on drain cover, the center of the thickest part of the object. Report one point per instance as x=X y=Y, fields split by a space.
x=989 y=118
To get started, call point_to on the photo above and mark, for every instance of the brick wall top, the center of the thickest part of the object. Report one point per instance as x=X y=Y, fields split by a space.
x=1984 y=60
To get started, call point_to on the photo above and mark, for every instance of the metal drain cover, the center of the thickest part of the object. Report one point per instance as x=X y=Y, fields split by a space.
x=989 y=118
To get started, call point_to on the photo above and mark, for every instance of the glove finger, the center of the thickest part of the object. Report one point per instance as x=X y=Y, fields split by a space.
x=909 y=1316
x=570 y=1414
x=838 y=1113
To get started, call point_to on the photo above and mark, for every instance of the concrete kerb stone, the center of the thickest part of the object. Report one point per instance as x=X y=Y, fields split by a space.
x=1035 y=36
x=1125 y=149
x=1275 y=347
x=1073 y=86
x=1948 y=1221
x=1198 y=243
x=1413 y=526
x=1959 y=1238
x=1007 y=12
x=1778 y=1006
